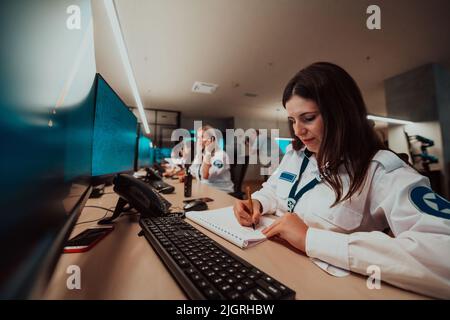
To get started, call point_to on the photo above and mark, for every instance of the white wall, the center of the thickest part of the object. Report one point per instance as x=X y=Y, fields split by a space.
x=247 y=123
x=221 y=124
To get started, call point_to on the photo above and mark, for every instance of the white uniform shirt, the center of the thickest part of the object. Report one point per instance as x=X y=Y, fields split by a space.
x=349 y=235
x=219 y=172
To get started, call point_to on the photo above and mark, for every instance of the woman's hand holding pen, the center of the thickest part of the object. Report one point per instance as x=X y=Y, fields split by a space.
x=242 y=212
x=291 y=228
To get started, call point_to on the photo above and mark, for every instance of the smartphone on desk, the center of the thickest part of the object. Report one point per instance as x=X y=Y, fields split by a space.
x=86 y=239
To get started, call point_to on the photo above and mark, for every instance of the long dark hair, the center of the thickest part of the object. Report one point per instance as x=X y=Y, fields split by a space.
x=348 y=137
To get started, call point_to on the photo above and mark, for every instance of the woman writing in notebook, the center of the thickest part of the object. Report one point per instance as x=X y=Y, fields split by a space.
x=338 y=190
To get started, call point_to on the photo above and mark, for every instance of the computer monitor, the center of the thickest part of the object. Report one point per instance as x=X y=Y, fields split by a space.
x=114 y=139
x=283 y=143
x=145 y=151
x=161 y=153
x=46 y=126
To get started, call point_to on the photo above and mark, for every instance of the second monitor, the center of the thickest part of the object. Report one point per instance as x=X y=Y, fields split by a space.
x=114 y=138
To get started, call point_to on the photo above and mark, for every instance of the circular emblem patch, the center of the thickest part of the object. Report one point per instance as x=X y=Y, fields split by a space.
x=429 y=202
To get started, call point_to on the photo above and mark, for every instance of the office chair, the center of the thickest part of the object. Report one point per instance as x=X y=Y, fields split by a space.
x=237 y=176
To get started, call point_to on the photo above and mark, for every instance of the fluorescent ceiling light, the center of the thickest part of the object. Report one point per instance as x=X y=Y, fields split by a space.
x=284 y=139
x=115 y=25
x=388 y=120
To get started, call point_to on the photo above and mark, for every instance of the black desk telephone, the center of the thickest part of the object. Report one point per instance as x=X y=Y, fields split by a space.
x=155 y=180
x=139 y=195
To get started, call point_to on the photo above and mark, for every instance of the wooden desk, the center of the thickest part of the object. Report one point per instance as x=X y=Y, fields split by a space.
x=124 y=266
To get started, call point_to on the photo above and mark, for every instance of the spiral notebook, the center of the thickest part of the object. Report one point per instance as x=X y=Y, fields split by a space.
x=223 y=223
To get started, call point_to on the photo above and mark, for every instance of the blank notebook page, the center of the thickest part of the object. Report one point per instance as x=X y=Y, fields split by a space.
x=223 y=223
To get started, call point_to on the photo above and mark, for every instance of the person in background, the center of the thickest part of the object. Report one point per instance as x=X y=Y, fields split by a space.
x=261 y=145
x=211 y=164
x=180 y=157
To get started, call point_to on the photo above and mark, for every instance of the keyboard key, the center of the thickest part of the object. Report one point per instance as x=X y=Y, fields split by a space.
x=234 y=295
x=210 y=274
x=217 y=280
x=183 y=263
x=190 y=270
x=196 y=276
x=210 y=293
x=244 y=270
x=202 y=283
x=281 y=287
x=198 y=262
x=256 y=271
x=225 y=287
x=253 y=276
x=251 y=295
x=230 y=280
x=269 y=288
x=262 y=293
x=241 y=287
x=248 y=282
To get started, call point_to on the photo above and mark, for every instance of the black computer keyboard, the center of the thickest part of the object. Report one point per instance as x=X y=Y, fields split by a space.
x=205 y=269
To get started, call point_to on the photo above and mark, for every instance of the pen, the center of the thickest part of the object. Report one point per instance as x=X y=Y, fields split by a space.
x=249 y=197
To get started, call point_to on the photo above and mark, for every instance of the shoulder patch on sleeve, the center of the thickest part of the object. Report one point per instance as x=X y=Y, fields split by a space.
x=218 y=163
x=429 y=202
x=389 y=160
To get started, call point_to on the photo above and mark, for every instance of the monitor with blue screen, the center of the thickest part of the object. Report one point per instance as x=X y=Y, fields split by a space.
x=46 y=127
x=145 y=151
x=114 y=138
x=283 y=143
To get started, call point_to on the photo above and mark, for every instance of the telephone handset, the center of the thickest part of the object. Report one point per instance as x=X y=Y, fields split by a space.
x=139 y=195
x=159 y=168
x=154 y=179
x=153 y=174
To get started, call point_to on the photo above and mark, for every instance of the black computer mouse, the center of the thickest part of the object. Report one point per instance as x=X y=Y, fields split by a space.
x=196 y=205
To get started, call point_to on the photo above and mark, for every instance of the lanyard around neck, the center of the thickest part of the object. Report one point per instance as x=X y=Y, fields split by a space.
x=295 y=197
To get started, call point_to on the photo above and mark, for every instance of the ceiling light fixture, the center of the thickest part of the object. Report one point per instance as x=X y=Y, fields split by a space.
x=388 y=120
x=115 y=25
x=203 y=87
x=283 y=139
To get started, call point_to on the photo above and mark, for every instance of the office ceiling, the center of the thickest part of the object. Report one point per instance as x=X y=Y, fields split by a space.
x=256 y=46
